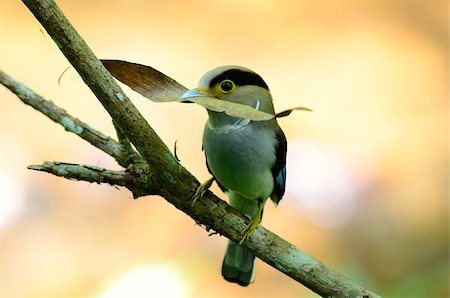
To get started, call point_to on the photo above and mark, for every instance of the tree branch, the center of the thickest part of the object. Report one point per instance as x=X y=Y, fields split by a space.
x=172 y=181
x=123 y=155
x=135 y=181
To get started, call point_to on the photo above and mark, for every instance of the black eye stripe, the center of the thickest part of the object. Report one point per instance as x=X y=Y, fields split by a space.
x=240 y=78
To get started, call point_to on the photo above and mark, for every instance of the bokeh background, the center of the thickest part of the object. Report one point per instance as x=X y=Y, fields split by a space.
x=367 y=170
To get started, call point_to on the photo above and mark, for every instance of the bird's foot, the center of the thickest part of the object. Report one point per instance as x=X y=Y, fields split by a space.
x=201 y=190
x=253 y=224
x=249 y=229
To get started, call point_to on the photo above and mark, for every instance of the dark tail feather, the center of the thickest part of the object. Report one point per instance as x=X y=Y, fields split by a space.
x=238 y=265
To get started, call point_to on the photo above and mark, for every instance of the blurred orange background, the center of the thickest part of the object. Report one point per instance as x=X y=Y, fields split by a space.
x=367 y=170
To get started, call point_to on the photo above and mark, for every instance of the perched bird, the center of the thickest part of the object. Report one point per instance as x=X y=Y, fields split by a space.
x=246 y=158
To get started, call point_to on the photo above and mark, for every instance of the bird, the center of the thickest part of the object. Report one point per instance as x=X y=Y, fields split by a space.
x=246 y=158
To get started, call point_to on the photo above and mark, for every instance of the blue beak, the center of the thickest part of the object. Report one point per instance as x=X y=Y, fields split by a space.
x=197 y=92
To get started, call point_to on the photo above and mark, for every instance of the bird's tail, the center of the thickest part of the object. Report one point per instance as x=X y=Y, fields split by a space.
x=238 y=264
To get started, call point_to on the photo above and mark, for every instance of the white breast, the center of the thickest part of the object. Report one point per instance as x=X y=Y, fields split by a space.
x=241 y=158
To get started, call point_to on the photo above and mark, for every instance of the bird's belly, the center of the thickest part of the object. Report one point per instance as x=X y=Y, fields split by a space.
x=242 y=161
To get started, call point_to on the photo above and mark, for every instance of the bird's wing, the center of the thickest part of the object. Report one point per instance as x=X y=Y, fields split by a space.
x=222 y=188
x=279 y=168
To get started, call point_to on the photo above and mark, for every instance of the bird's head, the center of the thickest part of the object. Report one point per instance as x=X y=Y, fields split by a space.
x=234 y=84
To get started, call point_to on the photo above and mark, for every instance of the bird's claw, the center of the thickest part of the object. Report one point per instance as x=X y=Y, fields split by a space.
x=198 y=194
x=201 y=190
x=253 y=224
x=249 y=229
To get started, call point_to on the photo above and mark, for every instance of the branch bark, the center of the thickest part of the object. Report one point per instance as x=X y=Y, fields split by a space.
x=70 y=123
x=165 y=176
x=135 y=181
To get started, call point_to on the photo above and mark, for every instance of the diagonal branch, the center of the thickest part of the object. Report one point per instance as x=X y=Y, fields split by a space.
x=122 y=154
x=174 y=182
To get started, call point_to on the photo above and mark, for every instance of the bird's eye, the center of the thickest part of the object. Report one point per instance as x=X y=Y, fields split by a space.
x=226 y=86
